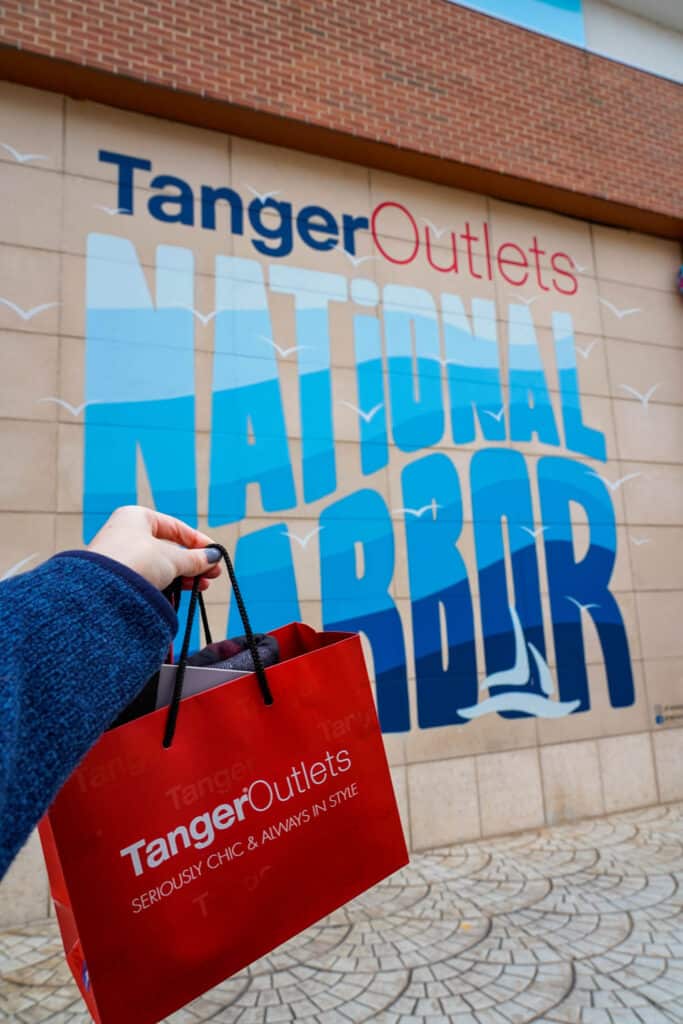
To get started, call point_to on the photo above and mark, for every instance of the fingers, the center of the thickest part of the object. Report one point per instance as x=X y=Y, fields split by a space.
x=212 y=574
x=191 y=562
x=203 y=583
x=165 y=527
x=204 y=580
x=157 y=546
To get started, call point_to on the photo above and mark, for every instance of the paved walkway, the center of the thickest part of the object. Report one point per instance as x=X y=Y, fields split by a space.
x=573 y=925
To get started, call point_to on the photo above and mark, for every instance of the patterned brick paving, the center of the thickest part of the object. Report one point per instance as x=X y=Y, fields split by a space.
x=574 y=925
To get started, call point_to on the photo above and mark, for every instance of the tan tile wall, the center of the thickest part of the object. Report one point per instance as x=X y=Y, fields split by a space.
x=452 y=783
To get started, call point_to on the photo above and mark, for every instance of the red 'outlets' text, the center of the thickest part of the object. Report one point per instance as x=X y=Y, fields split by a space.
x=458 y=255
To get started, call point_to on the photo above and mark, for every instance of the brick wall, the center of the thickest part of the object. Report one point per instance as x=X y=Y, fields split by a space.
x=428 y=78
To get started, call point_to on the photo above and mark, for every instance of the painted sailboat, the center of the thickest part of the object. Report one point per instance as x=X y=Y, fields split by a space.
x=519 y=675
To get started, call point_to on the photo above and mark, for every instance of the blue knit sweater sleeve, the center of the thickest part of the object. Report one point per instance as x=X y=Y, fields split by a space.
x=81 y=635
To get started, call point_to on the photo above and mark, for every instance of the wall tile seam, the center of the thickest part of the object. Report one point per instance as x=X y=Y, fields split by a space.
x=469 y=449
x=646 y=344
x=458 y=285
x=147 y=191
x=569 y=219
x=206 y=346
x=465 y=449
x=650 y=592
x=540 y=747
x=653 y=764
x=477 y=792
x=633 y=401
x=409 y=813
x=589 y=390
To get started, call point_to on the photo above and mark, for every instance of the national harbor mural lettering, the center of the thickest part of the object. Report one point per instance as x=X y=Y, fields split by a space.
x=436 y=374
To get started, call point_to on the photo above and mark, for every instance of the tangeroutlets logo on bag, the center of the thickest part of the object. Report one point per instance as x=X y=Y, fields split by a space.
x=260 y=796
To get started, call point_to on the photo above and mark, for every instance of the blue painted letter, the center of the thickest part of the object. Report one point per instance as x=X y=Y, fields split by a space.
x=562 y=482
x=360 y=601
x=446 y=680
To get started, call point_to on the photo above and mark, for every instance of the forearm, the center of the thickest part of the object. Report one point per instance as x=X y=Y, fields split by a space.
x=80 y=637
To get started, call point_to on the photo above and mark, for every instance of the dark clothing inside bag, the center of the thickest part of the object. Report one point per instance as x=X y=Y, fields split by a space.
x=229 y=654
x=235 y=654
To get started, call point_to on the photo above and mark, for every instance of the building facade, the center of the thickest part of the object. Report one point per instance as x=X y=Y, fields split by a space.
x=383 y=297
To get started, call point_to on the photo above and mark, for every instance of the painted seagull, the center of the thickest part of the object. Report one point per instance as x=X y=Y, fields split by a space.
x=22 y=158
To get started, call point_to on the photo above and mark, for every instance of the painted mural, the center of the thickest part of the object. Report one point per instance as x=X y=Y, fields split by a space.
x=446 y=387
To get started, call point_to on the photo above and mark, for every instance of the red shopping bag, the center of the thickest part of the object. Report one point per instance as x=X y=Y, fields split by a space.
x=174 y=866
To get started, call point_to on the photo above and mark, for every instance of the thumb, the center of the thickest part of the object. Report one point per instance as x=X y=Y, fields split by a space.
x=192 y=562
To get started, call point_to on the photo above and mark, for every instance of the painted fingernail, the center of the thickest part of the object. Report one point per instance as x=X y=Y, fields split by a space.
x=212 y=555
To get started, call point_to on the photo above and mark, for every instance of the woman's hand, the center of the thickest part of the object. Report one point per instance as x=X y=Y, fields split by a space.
x=156 y=546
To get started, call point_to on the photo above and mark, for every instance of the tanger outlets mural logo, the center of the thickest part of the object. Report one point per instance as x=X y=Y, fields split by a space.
x=427 y=370
x=272 y=224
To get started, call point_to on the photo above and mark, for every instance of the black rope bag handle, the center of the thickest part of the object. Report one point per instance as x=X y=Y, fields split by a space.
x=174 y=593
x=196 y=598
x=205 y=619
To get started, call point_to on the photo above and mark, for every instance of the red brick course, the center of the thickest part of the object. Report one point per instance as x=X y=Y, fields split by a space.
x=424 y=76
